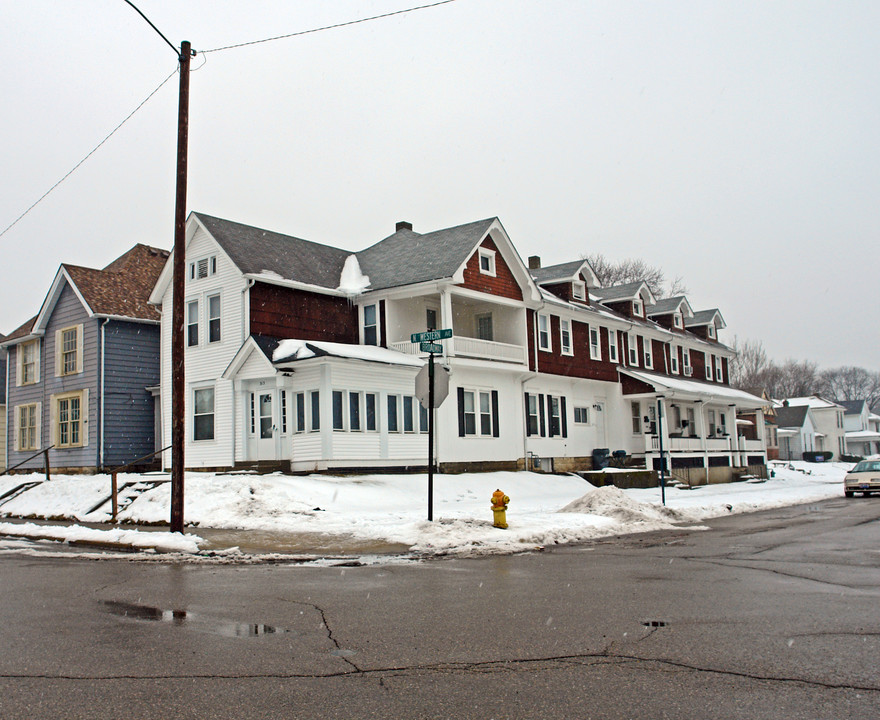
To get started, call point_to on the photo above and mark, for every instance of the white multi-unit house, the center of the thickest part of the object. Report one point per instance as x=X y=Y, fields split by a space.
x=828 y=416
x=299 y=356
x=862 y=428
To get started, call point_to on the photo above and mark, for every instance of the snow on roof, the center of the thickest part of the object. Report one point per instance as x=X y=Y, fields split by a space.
x=352 y=281
x=813 y=402
x=670 y=386
x=293 y=350
x=863 y=435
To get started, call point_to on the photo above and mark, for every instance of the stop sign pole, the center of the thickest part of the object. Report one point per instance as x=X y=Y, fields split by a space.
x=432 y=348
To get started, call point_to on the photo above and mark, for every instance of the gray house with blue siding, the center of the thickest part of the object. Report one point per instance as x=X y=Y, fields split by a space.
x=80 y=373
x=2 y=402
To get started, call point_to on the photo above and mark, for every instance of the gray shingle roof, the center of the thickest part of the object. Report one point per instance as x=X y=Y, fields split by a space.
x=254 y=250
x=627 y=291
x=408 y=257
x=701 y=317
x=562 y=272
x=665 y=306
x=853 y=407
x=792 y=416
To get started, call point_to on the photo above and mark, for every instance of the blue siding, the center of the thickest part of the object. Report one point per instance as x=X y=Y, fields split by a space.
x=131 y=364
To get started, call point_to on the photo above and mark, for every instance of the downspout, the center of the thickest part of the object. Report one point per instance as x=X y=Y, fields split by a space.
x=101 y=422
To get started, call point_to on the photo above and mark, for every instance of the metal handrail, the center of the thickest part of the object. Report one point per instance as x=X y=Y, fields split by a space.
x=114 y=486
x=39 y=452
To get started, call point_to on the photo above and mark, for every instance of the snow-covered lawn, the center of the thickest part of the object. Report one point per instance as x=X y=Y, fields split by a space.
x=544 y=509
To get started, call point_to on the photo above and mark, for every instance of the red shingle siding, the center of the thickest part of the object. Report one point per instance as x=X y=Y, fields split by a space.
x=579 y=364
x=503 y=283
x=289 y=313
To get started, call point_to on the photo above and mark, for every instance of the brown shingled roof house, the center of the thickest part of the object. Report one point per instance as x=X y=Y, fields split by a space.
x=83 y=372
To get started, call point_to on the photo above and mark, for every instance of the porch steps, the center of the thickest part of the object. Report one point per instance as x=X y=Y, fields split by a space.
x=18 y=490
x=128 y=493
x=261 y=467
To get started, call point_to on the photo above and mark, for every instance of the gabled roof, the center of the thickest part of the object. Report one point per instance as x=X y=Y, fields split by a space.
x=814 y=402
x=791 y=416
x=619 y=293
x=853 y=407
x=408 y=257
x=667 y=306
x=255 y=250
x=564 y=272
x=706 y=317
x=22 y=331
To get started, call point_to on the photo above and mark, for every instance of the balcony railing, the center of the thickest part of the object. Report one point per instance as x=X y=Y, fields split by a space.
x=472 y=347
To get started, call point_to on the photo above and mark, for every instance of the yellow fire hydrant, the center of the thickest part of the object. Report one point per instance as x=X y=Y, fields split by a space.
x=499 y=508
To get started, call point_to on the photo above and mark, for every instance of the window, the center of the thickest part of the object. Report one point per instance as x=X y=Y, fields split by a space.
x=487 y=261
x=673 y=359
x=300 y=412
x=338 y=410
x=711 y=417
x=203 y=414
x=595 y=344
x=477 y=413
x=371 y=327
x=68 y=351
x=430 y=319
x=722 y=417
x=554 y=415
x=408 y=416
x=632 y=346
x=579 y=290
x=264 y=410
x=637 y=308
x=565 y=336
x=214 y=319
x=532 y=405
x=612 y=345
x=691 y=423
x=423 y=417
x=393 y=423
x=676 y=320
x=636 y=410
x=686 y=362
x=27 y=424
x=647 y=346
x=192 y=323
x=202 y=268
x=484 y=327
x=544 y=332
x=711 y=329
x=370 y=411
x=582 y=415
x=315 y=397
x=707 y=358
x=69 y=420
x=719 y=371
x=28 y=366
x=283 y=410
x=354 y=411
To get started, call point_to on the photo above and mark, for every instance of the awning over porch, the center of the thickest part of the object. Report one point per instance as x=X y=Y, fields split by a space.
x=641 y=383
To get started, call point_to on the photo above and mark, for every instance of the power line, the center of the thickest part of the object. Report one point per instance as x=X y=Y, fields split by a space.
x=71 y=171
x=176 y=51
x=329 y=27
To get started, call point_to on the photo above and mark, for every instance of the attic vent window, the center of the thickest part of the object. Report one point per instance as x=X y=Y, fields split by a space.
x=487 y=262
x=677 y=320
x=578 y=290
x=637 y=308
x=712 y=331
x=203 y=268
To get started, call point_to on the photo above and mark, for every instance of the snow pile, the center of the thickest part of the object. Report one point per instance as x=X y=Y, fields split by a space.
x=161 y=541
x=291 y=350
x=352 y=281
x=612 y=502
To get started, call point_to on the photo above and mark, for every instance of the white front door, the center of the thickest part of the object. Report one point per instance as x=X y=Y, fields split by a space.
x=262 y=426
x=599 y=415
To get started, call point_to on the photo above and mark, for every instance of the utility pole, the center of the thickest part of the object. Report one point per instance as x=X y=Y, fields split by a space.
x=178 y=375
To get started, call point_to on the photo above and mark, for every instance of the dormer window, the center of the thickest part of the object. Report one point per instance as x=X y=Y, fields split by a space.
x=676 y=320
x=487 y=262
x=712 y=331
x=637 y=308
x=579 y=290
x=202 y=268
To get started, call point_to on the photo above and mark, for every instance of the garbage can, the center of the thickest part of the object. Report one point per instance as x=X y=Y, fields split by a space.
x=600 y=458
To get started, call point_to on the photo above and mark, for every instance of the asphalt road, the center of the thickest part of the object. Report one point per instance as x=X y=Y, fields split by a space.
x=770 y=615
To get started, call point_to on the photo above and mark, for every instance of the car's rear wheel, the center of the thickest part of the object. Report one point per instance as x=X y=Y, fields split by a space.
x=848 y=493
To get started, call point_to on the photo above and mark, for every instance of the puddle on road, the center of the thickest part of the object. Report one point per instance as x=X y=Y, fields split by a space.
x=271 y=541
x=227 y=628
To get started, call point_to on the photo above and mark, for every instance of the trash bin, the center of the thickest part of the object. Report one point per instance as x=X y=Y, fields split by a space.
x=600 y=458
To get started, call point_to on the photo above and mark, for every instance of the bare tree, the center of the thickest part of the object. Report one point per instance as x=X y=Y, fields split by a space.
x=850 y=383
x=749 y=367
x=797 y=379
x=635 y=270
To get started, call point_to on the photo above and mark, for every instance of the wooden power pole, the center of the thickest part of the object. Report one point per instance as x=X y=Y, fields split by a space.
x=178 y=375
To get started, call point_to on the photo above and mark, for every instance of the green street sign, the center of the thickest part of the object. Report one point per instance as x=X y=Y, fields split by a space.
x=431 y=347
x=430 y=336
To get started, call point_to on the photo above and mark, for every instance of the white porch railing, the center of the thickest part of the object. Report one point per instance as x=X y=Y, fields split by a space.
x=751 y=445
x=472 y=347
x=693 y=444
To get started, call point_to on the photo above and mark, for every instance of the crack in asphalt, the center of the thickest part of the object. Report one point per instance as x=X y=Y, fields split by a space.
x=731 y=562
x=485 y=666
x=329 y=630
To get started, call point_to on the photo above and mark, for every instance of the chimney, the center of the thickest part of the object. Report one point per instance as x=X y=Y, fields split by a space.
x=534 y=262
x=403 y=225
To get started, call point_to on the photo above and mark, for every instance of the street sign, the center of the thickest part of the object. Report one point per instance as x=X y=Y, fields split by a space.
x=441 y=385
x=431 y=347
x=430 y=336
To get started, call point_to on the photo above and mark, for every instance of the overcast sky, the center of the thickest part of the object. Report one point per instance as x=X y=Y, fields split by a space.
x=735 y=144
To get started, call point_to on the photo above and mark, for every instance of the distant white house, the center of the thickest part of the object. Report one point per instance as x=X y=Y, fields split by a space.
x=829 y=419
x=797 y=432
x=862 y=429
